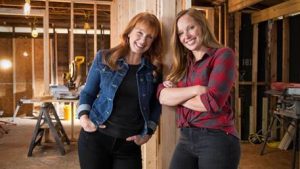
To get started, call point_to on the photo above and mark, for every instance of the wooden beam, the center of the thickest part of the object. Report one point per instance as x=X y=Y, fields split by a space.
x=81 y=1
x=285 y=8
x=235 y=5
x=20 y=12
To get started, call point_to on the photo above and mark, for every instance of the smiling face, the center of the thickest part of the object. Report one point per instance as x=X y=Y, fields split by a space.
x=189 y=33
x=140 y=39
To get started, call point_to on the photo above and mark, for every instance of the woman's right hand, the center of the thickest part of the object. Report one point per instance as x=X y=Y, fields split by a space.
x=168 y=84
x=87 y=124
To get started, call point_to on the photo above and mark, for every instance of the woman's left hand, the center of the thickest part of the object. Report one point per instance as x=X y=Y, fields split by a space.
x=138 y=139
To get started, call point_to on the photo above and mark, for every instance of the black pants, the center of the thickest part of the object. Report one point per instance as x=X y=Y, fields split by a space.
x=200 y=148
x=99 y=151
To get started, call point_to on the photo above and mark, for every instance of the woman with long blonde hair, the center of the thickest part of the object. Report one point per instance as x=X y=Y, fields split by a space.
x=202 y=74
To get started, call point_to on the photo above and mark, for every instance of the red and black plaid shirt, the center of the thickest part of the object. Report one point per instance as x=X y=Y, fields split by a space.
x=217 y=70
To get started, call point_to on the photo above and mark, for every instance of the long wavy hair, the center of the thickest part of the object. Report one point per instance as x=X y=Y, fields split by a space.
x=180 y=53
x=153 y=54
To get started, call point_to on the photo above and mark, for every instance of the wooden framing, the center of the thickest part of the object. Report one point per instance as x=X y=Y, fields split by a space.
x=282 y=9
x=45 y=15
x=235 y=5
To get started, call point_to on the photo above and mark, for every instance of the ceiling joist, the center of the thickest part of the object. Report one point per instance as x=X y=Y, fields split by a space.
x=81 y=1
x=235 y=5
x=282 y=9
x=16 y=12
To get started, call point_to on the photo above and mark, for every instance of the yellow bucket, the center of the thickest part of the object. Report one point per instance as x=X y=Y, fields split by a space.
x=67 y=112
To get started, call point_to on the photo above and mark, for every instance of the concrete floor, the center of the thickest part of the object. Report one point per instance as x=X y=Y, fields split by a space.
x=14 y=148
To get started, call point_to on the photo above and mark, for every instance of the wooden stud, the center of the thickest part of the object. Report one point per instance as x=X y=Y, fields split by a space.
x=71 y=35
x=95 y=32
x=253 y=115
x=264 y=114
x=273 y=68
x=237 y=28
x=46 y=48
x=285 y=49
x=114 y=38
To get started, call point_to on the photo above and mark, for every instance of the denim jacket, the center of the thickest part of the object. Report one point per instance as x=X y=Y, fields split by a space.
x=97 y=96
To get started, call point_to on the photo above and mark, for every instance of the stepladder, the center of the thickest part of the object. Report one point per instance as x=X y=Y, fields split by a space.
x=48 y=122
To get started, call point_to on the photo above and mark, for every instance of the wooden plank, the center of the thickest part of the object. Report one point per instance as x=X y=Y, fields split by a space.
x=282 y=9
x=285 y=49
x=235 y=5
x=237 y=28
x=253 y=120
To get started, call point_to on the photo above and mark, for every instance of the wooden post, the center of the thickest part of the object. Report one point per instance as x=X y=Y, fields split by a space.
x=168 y=131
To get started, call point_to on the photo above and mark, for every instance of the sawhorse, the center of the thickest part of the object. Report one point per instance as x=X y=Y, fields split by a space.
x=56 y=129
x=293 y=122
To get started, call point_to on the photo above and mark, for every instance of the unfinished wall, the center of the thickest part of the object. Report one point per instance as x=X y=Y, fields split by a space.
x=6 y=77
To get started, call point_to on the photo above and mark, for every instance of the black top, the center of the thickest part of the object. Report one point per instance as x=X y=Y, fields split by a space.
x=126 y=118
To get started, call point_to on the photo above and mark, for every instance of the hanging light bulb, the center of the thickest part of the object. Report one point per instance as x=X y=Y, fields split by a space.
x=27 y=7
x=86 y=26
x=34 y=33
x=25 y=54
x=5 y=64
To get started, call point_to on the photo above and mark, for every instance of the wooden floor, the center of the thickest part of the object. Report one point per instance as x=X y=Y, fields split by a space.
x=14 y=148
